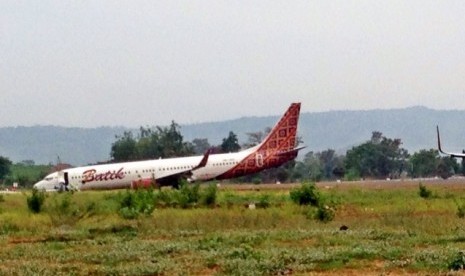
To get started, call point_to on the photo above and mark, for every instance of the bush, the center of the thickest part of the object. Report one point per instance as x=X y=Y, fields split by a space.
x=7 y=227
x=209 y=195
x=424 y=192
x=457 y=262
x=36 y=201
x=305 y=195
x=163 y=198
x=256 y=180
x=189 y=195
x=324 y=213
x=134 y=203
x=460 y=210
x=263 y=201
x=63 y=211
x=186 y=196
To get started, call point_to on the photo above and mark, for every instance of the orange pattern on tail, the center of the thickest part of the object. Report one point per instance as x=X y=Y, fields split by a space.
x=276 y=149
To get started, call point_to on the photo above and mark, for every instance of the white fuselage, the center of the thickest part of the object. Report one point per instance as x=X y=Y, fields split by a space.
x=123 y=175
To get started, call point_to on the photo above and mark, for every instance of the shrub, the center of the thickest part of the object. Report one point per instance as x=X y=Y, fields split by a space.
x=36 y=201
x=460 y=210
x=63 y=211
x=424 y=192
x=209 y=195
x=133 y=203
x=256 y=180
x=7 y=227
x=188 y=195
x=305 y=195
x=163 y=198
x=324 y=213
x=457 y=262
x=263 y=201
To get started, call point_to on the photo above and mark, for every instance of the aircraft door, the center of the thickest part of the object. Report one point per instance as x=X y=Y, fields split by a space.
x=65 y=177
x=63 y=181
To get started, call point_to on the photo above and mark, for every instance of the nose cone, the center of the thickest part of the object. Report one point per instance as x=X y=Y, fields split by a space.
x=39 y=185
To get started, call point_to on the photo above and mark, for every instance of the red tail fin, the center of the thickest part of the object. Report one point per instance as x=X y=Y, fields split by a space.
x=277 y=148
x=283 y=136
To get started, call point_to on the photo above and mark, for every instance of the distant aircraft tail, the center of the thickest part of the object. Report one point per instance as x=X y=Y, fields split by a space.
x=276 y=149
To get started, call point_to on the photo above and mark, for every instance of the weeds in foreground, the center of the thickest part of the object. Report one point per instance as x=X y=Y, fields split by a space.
x=457 y=262
x=460 y=209
x=36 y=201
x=209 y=197
x=424 y=192
x=308 y=195
x=64 y=211
x=391 y=232
x=134 y=203
x=143 y=202
x=325 y=213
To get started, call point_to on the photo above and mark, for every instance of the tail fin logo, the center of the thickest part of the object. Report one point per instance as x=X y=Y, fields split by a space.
x=259 y=159
x=277 y=148
x=283 y=136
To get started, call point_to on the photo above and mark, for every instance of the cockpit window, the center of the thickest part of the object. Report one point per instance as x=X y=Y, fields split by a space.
x=48 y=178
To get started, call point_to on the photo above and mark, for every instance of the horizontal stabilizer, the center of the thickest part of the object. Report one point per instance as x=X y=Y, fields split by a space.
x=291 y=151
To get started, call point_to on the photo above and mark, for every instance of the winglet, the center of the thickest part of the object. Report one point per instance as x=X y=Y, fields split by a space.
x=451 y=154
x=439 y=141
x=204 y=160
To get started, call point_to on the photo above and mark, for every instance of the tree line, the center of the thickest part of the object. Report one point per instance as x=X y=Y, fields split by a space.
x=379 y=157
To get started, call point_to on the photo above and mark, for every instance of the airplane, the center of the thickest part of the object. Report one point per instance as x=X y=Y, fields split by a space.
x=278 y=147
x=451 y=154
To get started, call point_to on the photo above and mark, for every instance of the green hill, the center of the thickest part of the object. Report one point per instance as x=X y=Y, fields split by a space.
x=339 y=130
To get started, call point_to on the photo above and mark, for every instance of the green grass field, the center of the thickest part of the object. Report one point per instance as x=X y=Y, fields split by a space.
x=391 y=230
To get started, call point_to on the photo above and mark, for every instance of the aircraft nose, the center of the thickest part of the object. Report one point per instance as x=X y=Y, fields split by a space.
x=38 y=185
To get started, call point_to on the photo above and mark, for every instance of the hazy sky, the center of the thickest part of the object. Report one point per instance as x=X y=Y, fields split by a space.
x=132 y=63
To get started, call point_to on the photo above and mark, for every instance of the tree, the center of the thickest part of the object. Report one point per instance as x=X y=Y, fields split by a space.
x=318 y=165
x=314 y=168
x=380 y=157
x=462 y=166
x=424 y=163
x=447 y=167
x=171 y=142
x=428 y=163
x=230 y=144
x=27 y=163
x=148 y=144
x=151 y=143
x=255 y=138
x=330 y=163
x=200 y=146
x=124 y=149
x=5 y=164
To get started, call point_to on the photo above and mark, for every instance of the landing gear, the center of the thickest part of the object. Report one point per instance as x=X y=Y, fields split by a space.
x=62 y=187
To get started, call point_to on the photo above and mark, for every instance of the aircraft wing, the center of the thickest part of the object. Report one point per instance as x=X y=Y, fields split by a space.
x=451 y=154
x=174 y=179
